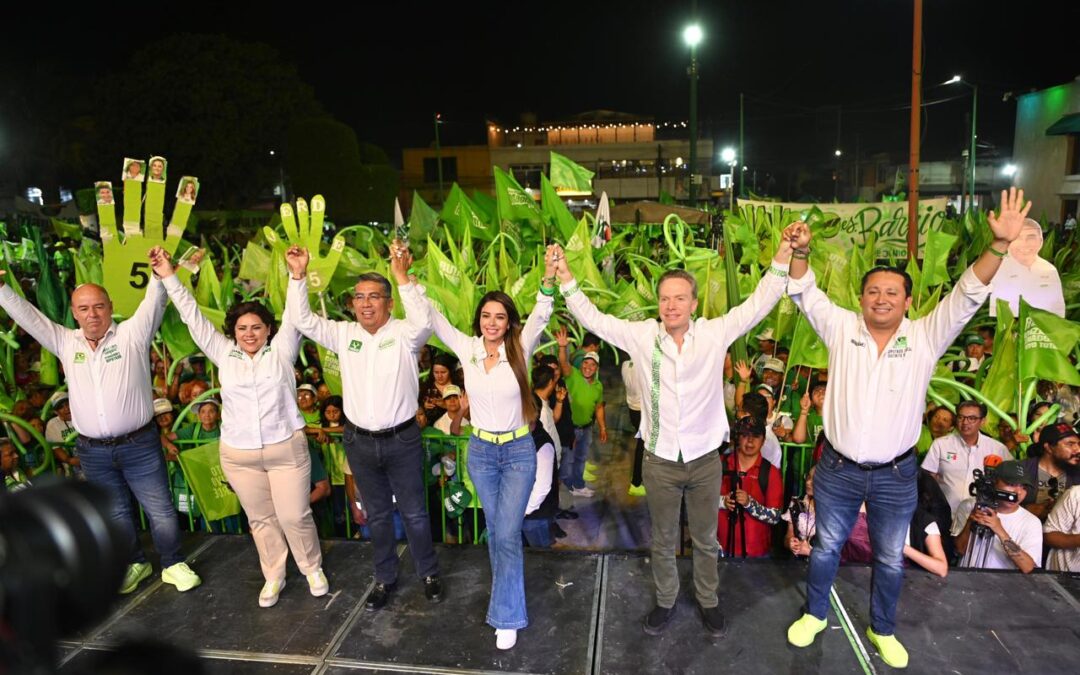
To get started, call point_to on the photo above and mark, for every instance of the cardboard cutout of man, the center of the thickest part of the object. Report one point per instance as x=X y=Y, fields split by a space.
x=1024 y=273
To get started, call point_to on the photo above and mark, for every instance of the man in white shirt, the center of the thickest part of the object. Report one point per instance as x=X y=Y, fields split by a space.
x=457 y=411
x=953 y=458
x=57 y=431
x=1062 y=533
x=1013 y=537
x=380 y=385
x=680 y=361
x=1026 y=274
x=880 y=364
x=107 y=367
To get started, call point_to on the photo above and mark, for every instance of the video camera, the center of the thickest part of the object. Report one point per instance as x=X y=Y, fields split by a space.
x=984 y=489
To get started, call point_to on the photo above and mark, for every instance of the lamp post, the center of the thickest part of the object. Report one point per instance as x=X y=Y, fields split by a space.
x=727 y=155
x=692 y=36
x=836 y=175
x=969 y=199
x=438 y=155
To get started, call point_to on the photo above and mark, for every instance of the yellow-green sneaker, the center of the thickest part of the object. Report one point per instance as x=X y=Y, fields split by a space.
x=892 y=652
x=136 y=572
x=181 y=576
x=636 y=491
x=802 y=632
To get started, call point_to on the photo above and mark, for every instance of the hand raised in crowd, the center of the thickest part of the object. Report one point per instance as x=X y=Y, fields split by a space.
x=560 y=394
x=562 y=336
x=297 y=257
x=1007 y=224
x=400 y=261
x=743 y=370
x=562 y=270
x=804 y=403
x=797 y=235
x=161 y=262
x=551 y=260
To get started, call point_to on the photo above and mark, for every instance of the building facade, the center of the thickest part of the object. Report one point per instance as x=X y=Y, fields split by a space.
x=1046 y=149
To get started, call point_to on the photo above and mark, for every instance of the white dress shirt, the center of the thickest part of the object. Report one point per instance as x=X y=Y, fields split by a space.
x=682 y=406
x=545 y=467
x=494 y=396
x=874 y=404
x=258 y=394
x=380 y=377
x=1039 y=284
x=109 y=387
x=954 y=461
x=1064 y=518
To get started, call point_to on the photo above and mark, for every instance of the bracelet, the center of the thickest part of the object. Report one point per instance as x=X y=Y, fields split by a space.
x=549 y=291
x=571 y=289
x=800 y=253
x=549 y=281
x=997 y=253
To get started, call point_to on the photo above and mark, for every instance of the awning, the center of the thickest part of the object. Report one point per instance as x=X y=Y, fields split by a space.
x=1070 y=124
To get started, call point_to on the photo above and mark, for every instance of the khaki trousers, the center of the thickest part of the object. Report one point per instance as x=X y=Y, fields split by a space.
x=273 y=484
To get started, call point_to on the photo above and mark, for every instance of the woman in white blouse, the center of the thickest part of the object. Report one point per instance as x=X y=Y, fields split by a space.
x=501 y=453
x=264 y=453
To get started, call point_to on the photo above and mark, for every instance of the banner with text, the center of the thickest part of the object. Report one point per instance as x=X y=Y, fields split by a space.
x=850 y=224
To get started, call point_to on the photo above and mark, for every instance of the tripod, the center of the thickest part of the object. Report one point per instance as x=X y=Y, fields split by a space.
x=736 y=516
x=979 y=545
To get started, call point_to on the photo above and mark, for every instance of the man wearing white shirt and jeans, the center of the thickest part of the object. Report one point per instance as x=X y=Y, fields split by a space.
x=953 y=458
x=680 y=362
x=880 y=364
x=381 y=383
x=107 y=367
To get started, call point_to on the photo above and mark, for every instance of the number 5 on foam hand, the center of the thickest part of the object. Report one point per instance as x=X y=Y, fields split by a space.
x=308 y=234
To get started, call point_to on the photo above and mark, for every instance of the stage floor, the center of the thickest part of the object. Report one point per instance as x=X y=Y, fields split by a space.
x=585 y=611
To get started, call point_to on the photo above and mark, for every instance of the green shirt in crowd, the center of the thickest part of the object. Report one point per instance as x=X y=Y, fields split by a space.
x=195 y=432
x=583 y=397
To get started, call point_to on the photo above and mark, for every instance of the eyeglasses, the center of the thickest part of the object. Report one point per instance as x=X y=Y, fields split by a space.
x=373 y=297
x=968 y=418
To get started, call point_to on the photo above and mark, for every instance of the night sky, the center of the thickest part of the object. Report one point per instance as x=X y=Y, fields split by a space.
x=384 y=68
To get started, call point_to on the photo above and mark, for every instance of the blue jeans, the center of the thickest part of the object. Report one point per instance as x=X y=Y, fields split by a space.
x=572 y=468
x=136 y=467
x=384 y=469
x=537 y=532
x=503 y=476
x=891 y=494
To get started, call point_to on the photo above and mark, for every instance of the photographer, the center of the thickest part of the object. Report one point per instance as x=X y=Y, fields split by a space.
x=1055 y=469
x=755 y=486
x=1016 y=534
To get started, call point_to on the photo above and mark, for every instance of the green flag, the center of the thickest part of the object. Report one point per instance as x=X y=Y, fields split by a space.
x=514 y=203
x=1045 y=344
x=202 y=469
x=422 y=220
x=461 y=214
x=556 y=212
x=567 y=175
x=999 y=386
x=807 y=349
x=935 y=269
x=69 y=230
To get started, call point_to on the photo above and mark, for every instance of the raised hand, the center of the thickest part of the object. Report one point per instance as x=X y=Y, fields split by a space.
x=161 y=262
x=744 y=371
x=297 y=258
x=401 y=261
x=804 y=403
x=558 y=258
x=562 y=336
x=1007 y=224
x=126 y=270
x=796 y=234
x=308 y=234
x=551 y=259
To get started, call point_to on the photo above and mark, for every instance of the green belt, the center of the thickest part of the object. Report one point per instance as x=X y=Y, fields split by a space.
x=499 y=439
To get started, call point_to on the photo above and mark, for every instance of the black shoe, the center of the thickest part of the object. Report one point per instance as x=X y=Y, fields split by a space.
x=657 y=620
x=557 y=531
x=379 y=596
x=433 y=589
x=714 y=622
x=566 y=515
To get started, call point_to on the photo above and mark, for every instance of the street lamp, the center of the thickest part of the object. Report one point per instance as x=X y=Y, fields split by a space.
x=727 y=155
x=438 y=154
x=1008 y=170
x=969 y=200
x=692 y=36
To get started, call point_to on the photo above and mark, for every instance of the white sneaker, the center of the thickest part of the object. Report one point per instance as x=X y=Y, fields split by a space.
x=268 y=596
x=318 y=584
x=505 y=638
x=583 y=492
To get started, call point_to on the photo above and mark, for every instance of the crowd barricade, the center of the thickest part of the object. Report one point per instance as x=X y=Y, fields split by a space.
x=436 y=444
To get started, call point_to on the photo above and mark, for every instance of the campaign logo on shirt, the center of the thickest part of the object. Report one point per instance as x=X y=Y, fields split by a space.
x=80 y=357
x=355 y=345
x=387 y=343
x=950 y=456
x=236 y=354
x=111 y=353
x=899 y=349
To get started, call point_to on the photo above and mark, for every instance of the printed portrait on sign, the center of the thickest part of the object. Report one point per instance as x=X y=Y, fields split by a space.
x=157 y=169
x=134 y=169
x=1024 y=273
x=103 y=191
x=188 y=189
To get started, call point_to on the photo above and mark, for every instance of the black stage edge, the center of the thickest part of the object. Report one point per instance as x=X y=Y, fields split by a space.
x=585 y=611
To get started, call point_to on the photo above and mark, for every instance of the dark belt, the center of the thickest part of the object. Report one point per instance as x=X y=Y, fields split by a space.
x=867 y=466
x=384 y=433
x=118 y=440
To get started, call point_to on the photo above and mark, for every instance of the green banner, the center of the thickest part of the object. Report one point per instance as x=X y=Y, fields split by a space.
x=569 y=176
x=1046 y=340
x=202 y=469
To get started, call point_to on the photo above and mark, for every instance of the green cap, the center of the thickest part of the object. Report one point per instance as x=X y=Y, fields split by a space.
x=457 y=499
